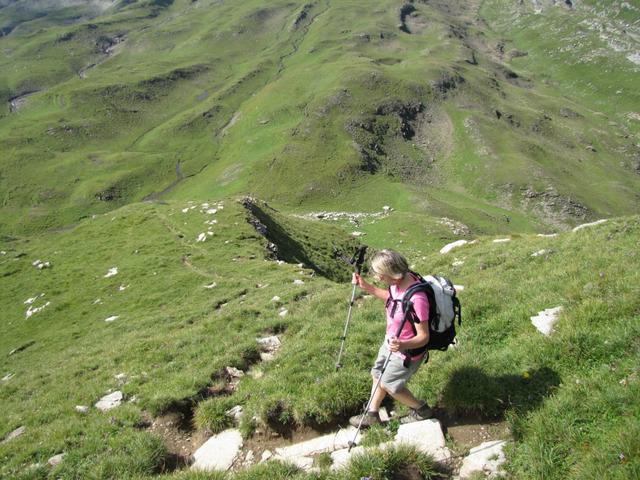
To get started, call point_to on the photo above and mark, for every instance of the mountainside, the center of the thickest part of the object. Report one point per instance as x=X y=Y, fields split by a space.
x=503 y=117
x=183 y=182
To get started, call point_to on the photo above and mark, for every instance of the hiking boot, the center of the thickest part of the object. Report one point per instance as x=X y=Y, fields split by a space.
x=368 y=419
x=417 y=414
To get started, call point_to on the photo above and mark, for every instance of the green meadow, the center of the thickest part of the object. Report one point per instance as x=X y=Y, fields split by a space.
x=189 y=173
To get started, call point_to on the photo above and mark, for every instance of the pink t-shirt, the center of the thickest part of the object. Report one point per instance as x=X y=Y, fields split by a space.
x=420 y=306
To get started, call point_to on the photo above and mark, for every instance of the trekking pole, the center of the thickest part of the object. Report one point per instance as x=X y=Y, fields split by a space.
x=352 y=443
x=358 y=260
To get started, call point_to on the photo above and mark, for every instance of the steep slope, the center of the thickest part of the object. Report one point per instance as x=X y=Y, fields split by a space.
x=144 y=301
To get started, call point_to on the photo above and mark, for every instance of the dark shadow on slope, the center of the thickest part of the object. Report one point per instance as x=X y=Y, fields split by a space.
x=299 y=243
x=471 y=391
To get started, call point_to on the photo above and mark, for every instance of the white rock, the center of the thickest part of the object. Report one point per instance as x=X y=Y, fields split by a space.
x=212 y=211
x=185 y=210
x=211 y=285
x=112 y=272
x=56 y=459
x=235 y=412
x=248 y=459
x=539 y=253
x=266 y=455
x=33 y=310
x=357 y=234
x=384 y=416
x=487 y=458
x=386 y=209
x=427 y=437
x=270 y=343
x=202 y=237
x=29 y=301
x=82 y=409
x=267 y=356
x=121 y=377
x=283 y=313
x=109 y=401
x=275 y=299
x=324 y=444
x=36 y=263
x=457 y=263
x=42 y=265
x=297 y=281
x=450 y=246
x=112 y=318
x=122 y=288
x=544 y=321
x=15 y=434
x=585 y=225
x=97 y=301
x=219 y=452
x=8 y=377
x=234 y=372
x=3 y=252
x=501 y=240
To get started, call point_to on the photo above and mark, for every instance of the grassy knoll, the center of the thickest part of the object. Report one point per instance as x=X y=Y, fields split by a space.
x=188 y=309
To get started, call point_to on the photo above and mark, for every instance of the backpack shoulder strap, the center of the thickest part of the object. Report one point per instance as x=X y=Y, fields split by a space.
x=392 y=301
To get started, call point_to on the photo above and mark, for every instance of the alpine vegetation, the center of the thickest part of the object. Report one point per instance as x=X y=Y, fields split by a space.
x=195 y=196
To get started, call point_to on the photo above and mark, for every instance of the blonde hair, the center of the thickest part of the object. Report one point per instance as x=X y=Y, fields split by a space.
x=390 y=263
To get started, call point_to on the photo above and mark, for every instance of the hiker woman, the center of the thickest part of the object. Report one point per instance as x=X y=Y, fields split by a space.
x=391 y=268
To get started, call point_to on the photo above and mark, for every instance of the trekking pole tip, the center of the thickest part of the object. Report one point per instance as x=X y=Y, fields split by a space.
x=351 y=445
x=338 y=366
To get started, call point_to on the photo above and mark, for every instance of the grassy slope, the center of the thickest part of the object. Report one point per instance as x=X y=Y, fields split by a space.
x=173 y=337
x=273 y=99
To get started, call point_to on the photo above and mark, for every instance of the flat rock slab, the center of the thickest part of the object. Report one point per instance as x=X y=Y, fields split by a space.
x=447 y=248
x=15 y=434
x=427 y=437
x=592 y=224
x=487 y=458
x=109 y=401
x=219 y=452
x=324 y=444
x=545 y=320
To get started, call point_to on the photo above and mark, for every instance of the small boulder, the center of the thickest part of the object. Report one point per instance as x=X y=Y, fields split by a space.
x=56 y=460
x=112 y=272
x=585 y=225
x=450 y=246
x=545 y=320
x=109 y=401
x=487 y=458
x=219 y=452
x=15 y=434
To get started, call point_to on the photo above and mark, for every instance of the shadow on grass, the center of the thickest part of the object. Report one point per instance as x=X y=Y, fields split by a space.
x=470 y=391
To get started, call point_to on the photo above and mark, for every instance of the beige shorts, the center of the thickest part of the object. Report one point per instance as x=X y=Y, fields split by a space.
x=396 y=375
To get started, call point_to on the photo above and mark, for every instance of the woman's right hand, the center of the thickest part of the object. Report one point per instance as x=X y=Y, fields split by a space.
x=357 y=280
